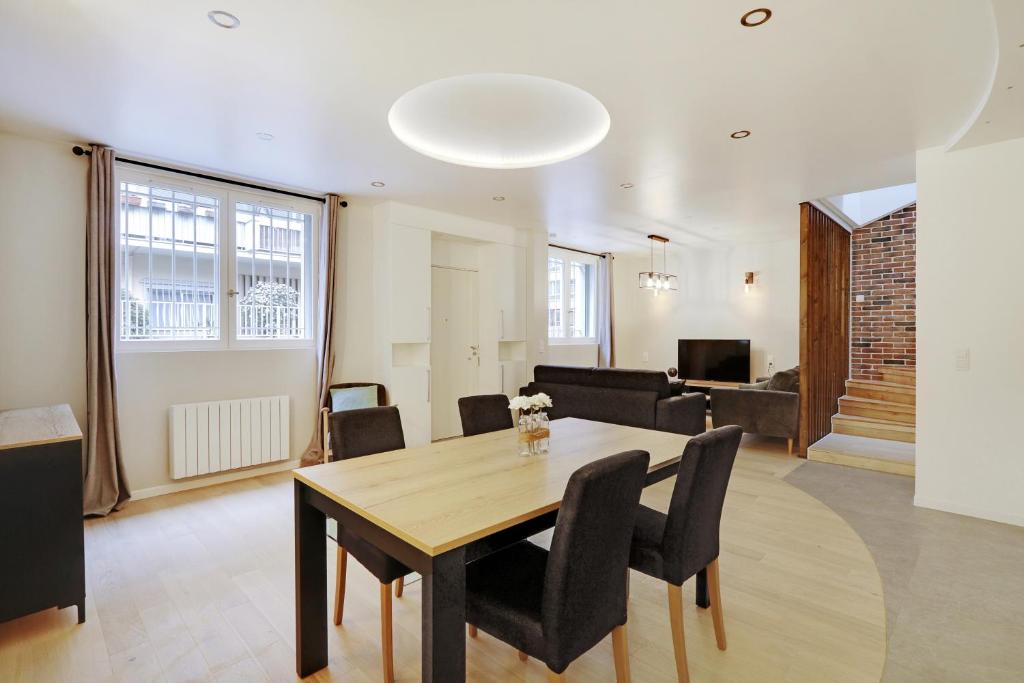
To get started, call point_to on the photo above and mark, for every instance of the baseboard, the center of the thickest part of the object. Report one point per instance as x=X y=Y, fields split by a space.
x=213 y=480
x=968 y=511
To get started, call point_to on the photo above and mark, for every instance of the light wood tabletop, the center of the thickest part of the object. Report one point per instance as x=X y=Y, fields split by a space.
x=451 y=493
x=35 y=426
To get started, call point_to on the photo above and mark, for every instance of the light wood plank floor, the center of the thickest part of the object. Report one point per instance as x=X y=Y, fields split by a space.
x=198 y=586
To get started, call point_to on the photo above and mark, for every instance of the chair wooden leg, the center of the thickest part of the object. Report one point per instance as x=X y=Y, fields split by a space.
x=715 y=588
x=523 y=657
x=675 y=613
x=620 y=644
x=471 y=630
x=399 y=586
x=339 y=585
x=555 y=678
x=386 y=643
x=789 y=445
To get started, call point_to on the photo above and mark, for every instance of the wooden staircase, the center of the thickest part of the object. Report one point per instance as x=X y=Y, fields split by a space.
x=875 y=425
x=884 y=409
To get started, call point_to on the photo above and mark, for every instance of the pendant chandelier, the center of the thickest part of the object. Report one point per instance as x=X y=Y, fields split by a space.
x=658 y=281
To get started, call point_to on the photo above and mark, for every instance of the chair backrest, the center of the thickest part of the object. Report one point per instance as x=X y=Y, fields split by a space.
x=585 y=580
x=382 y=392
x=482 y=414
x=690 y=542
x=365 y=431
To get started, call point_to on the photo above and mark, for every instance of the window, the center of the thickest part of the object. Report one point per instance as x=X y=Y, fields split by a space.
x=572 y=297
x=176 y=289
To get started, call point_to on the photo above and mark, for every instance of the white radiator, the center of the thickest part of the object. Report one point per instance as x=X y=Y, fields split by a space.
x=227 y=435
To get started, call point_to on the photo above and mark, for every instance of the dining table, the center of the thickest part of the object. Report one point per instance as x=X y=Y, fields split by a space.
x=438 y=506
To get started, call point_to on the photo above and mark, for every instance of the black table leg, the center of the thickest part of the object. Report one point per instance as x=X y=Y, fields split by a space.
x=444 y=619
x=702 y=589
x=310 y=586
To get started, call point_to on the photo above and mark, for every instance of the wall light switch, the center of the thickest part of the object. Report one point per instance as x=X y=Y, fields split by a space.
x=859 y=298
x=963 y=359
x=646 y=358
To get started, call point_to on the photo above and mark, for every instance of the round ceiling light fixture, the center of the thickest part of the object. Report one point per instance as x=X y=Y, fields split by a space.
x=266 y=137
x=626 y=186
x=756 y=17
x=497 y=120
x=224 y=19
x=498 y=198
x=377 y=183
x=740 y=134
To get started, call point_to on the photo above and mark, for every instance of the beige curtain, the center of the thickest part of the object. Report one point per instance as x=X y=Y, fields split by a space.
x=105 y=486
x=324 y=343
x=605 y=313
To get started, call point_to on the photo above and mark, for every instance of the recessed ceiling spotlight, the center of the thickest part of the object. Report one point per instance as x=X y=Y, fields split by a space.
x=756 y=17
x=499 y=120
x=265 y=136
x=498 y=198
x=377 y=183
x=626 y=186
x=223 y=19
x=740 y=134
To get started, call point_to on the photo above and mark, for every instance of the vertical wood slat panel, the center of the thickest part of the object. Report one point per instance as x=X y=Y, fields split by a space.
x=206 y=438
x=824 y=321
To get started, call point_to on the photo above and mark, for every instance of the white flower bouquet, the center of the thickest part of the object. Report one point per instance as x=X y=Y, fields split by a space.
x=534 y=430
x=530 y=404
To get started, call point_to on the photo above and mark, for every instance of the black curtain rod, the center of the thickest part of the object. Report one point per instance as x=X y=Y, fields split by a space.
x=81 y=151
x=578 y=251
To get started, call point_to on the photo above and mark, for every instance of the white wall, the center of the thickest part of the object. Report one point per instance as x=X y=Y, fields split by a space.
x=572 y=354
x=970 y=237
x=42 y=275
x=711 y=304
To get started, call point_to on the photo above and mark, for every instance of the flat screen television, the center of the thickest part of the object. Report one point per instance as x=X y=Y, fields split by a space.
x=720 y=360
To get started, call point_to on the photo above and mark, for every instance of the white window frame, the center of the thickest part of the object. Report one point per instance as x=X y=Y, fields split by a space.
x=568 y=258
x=228 y=195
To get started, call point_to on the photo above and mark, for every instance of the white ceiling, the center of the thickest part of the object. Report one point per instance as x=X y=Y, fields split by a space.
x=838 y=96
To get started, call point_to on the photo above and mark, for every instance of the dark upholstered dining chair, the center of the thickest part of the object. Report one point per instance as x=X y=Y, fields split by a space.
x=555 y=605
x=355 y=433
x=483 y=414
x=684 y=542
x=348 y=396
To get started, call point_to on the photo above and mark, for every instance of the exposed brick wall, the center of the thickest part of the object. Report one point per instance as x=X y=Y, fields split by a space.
x=883 y=326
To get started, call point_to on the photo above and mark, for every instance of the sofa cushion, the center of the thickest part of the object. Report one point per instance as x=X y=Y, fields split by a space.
x=563 y=374
x=617 y=406
x=636 y=380
x=786 y=380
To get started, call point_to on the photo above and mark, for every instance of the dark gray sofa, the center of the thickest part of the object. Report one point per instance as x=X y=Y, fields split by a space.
x=769 y=407
x=635 y=398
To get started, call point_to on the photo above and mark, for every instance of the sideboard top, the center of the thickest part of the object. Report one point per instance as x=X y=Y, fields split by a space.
x=35 y=426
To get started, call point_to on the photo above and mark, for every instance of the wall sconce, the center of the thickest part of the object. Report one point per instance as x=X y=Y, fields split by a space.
x=748 y=280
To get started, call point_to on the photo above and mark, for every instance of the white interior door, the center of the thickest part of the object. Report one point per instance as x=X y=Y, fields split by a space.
x=454 y=346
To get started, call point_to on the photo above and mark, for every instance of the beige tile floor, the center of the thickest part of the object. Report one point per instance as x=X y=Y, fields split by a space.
x=954 y=586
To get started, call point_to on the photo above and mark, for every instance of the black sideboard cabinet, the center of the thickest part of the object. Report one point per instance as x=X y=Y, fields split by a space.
x=42 y=546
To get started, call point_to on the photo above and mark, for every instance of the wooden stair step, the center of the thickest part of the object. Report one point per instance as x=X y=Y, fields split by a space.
x=899 y=375
x=884 y=410
x=881 y=391
x=881 y=455
x=872 y=428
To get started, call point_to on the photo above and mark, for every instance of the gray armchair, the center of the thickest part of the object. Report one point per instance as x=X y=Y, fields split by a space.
x=768 y=407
